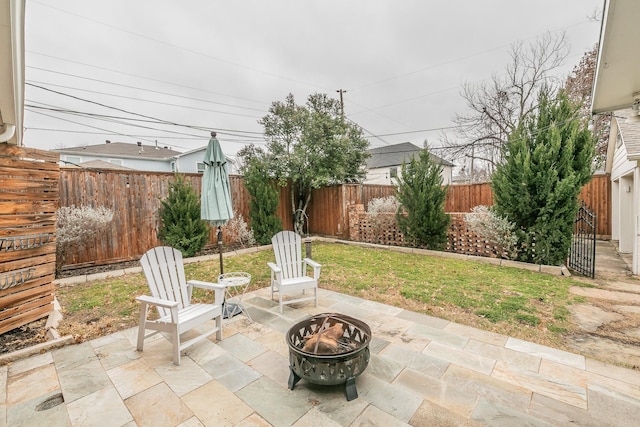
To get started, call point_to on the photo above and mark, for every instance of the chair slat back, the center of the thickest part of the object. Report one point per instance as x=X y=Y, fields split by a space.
x=164 y=270
x=287 y=247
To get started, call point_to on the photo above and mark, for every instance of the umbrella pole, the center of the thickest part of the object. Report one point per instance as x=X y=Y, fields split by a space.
x=220 y=247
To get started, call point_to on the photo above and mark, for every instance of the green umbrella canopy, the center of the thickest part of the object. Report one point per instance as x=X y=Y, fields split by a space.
x=215 y=199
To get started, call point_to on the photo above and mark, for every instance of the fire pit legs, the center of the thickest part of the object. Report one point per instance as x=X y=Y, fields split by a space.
x=350 y=388
x=293 y=379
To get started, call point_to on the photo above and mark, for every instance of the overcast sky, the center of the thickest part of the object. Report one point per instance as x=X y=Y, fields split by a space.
x=220 y=64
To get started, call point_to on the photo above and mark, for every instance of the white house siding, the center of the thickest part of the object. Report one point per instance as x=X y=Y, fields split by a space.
x=382 y=176
x=131 y=163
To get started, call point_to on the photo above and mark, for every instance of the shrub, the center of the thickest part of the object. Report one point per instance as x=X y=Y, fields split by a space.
x=497 y=230
x=264 y=197
x=180 y=223
x=382 y=205
x=239 y=232
x=75 y=227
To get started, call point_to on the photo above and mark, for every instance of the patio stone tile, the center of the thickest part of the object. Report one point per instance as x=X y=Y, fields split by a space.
x=157 y=351
x=332 y=401
x=381 y=308
x=133 y=377
x=495 y=352
x=613 y=408
x=432 y=415
x=262 y=302
x=158 y=406
x=460 y=357
x=96 y=408
x=350 y=309
x=544 y=352
x=383 y=367
x=477 y=334
x=418 y=361
x=116 y=352
x=585 y=378
x=253 y=420
x=24 y=414
x=495 y=415
x=423 y=319
x=613 y=372
x=275 y=341
x=107 y=339
x=272 y=365
x=437 y=392
x=372 y=416
x=33 y=383
x=184 y=378
x=561 y=414
x=242 y=347
x=83 y=380
x=537 y=383
x=277 y=405
x=191 y=422
x=390 y=326
x=215 y=406
x=72 y=356
x=131 y=334
x=377 y=344
x=336 y=296
x=204 y=352
x=394 y=399
x=315 y=418
x=29 y=363
x=231 y=372
x=282 y=325
x=4 y=373
x=459 y=380
x=262 y=316
x=3 y=414
x=437 y=335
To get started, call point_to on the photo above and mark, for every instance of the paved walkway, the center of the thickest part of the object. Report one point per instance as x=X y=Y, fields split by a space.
x=423 y=371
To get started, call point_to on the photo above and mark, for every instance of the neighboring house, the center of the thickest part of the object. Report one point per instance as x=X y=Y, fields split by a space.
x=11 y=71
x=617 y=89
x=385 y=163
x=133 y=156
x=152 y=158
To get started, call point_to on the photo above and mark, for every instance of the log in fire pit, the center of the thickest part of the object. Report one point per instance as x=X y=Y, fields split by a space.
x=329 y=349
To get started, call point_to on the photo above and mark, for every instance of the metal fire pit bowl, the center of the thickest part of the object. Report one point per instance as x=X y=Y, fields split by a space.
x=329 y=369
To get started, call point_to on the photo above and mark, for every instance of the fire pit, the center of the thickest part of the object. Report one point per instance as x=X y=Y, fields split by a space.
x=329 y=349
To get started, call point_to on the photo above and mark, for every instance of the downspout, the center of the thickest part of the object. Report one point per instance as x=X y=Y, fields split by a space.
x=8 y=130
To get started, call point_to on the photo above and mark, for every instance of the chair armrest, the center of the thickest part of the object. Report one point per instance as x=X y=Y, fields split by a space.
x=217 y=287
x=311 y=263
x=274 y=268
x=157 y=301
x=206 y=285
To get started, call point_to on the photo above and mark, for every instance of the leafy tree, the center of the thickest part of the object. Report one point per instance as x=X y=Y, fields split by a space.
x=263 y=202
x=180 y=223
x=547 y=161
x=497 y=106
x=310 y=146
x=421 y=197
x=579 y=86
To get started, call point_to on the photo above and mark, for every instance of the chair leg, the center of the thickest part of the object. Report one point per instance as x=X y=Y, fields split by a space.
x=315 y=294
x=280 y=300
x=142 y=326
x=175 y=338
x=219 y=326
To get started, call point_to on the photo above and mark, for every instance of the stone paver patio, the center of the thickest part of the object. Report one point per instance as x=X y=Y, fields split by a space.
x=423 y=371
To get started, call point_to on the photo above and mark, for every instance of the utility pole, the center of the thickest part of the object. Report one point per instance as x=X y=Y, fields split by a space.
x=341 y=91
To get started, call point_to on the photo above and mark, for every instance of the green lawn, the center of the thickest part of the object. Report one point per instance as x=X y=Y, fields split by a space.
x=512 y=301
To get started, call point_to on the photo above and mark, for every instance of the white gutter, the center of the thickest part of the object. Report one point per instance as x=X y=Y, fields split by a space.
x=8 y=132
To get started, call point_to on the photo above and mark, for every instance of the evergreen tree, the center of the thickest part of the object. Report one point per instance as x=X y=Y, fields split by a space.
x=421 y=197
x=547 y=161
x=180 y=223
x=263 y=202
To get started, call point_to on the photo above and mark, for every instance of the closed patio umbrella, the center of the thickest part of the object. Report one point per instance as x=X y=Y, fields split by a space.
x=215 y=199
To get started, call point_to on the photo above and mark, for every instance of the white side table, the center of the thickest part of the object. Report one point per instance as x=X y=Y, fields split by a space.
x=236 y=284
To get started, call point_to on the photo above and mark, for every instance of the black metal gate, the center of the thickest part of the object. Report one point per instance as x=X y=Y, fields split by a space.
x=582 y=254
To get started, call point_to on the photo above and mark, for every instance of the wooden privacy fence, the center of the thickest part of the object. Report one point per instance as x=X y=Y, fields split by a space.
x=135 y=199
x=28 y=202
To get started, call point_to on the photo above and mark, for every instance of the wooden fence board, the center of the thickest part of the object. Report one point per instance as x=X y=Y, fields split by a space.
x=29 y=198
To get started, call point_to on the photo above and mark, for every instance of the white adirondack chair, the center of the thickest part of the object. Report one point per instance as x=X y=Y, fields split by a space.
x=289 y=273
x=171 y=295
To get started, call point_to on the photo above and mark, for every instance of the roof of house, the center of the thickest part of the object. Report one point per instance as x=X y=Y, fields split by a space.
x=630 y=133
x=124 y=150
x=97 y=164
x=394 y=155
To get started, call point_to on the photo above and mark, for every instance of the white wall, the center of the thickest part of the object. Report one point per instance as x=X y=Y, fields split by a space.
x=382 y=176
x=137 y=164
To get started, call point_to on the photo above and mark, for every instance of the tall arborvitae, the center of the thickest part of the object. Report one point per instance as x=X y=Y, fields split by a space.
x=180 y=223
x=421 y=197
x=546 y=162
x=264 y=196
